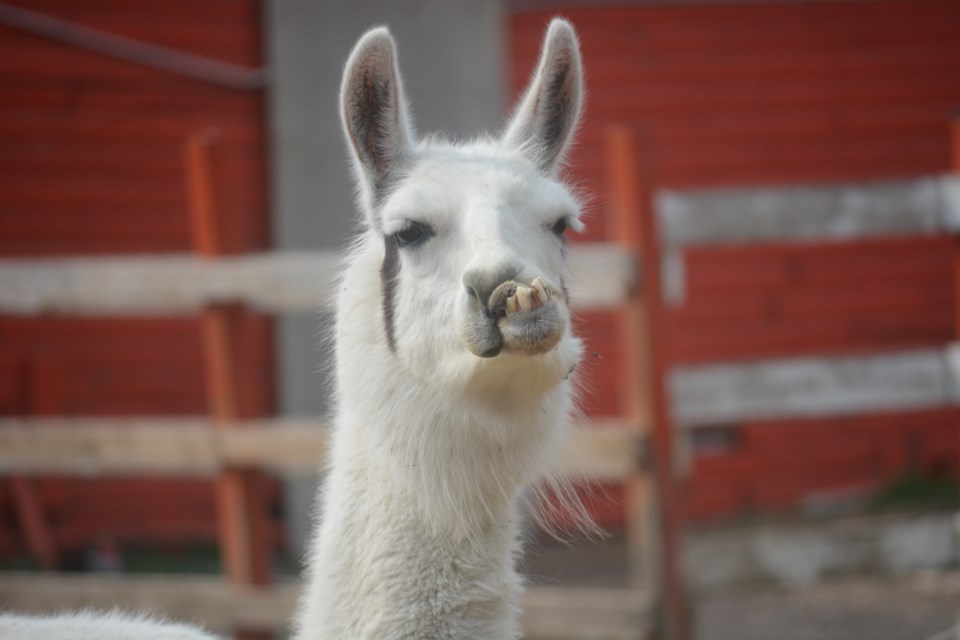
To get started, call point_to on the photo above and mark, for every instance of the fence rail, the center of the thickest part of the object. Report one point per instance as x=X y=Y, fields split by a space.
x=602 y=276
x=549 y=612
x=603 y=450
x=219 y=287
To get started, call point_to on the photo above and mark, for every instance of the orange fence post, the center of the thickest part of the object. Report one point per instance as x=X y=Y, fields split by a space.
x=631 y=193
x=955 y=167
x=244 y=544
x=635 y=389
x=36 y=531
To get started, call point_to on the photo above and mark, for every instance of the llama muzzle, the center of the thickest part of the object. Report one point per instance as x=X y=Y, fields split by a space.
x=527 y=317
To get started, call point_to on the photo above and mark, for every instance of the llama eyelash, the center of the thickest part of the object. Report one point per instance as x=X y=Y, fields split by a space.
x=413 y=233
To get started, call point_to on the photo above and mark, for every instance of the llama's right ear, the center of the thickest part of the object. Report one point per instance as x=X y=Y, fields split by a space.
x=549 y=111
x=374 y=115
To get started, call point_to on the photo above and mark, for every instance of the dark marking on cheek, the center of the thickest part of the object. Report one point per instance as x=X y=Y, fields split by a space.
x=389 y=274
x=563 y=288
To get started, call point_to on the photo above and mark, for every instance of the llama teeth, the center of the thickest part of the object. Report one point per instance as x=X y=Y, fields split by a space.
x=541 y=290
x=535 y=301
x=523 y=298
x=512 y=304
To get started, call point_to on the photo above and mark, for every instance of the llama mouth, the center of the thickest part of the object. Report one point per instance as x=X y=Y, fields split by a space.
x=523 y=319
x=528 y=318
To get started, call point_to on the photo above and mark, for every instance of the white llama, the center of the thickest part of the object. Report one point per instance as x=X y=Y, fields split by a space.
x=453 y=353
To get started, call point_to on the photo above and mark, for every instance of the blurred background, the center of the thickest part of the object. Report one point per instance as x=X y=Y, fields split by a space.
x=793 y=152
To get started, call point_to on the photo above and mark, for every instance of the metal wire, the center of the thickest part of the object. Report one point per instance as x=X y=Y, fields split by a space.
x=181 y=63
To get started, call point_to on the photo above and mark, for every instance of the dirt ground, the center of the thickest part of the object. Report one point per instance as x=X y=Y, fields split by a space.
x=849 y=609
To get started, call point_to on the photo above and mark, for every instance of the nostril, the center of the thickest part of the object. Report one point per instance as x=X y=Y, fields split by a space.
x=481 y=283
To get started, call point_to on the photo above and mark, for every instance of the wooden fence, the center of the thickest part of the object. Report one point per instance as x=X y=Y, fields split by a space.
x=220 y=287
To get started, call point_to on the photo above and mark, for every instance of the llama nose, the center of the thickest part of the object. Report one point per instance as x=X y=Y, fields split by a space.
x=481 y=283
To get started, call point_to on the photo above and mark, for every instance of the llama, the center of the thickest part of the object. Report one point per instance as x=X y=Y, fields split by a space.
x=453 y=393
x=454 y=355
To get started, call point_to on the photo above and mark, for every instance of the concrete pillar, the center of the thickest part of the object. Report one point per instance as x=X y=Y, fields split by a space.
x=452 y=59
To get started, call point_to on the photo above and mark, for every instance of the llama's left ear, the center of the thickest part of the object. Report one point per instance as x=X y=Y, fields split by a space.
x=547 y=115
x=373 y=111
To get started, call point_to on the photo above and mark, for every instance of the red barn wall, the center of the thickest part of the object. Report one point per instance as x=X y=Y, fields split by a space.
x=768 y=94
x=91 y=163
x=792 y=299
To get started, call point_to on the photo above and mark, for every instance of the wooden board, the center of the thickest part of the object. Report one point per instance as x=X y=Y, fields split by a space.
x=600 y=277
x=178 y=446
x=812 y=387
x=167 y=284
x=549 y=613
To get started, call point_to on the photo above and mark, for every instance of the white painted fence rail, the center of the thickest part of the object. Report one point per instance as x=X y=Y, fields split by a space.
x=604 y=450
x=556 y=613
x=811 y=387
x=601 y=276
x=743 y=215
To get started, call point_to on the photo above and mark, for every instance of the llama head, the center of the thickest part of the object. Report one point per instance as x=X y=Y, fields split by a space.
x=472 y=235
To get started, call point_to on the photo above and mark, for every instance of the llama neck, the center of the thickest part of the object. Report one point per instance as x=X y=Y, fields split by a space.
x=430 y=457
x=380 y=569
x=420 y=522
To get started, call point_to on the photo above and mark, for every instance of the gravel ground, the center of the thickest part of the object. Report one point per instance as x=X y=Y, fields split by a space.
x=858 y=609
x=919 y=607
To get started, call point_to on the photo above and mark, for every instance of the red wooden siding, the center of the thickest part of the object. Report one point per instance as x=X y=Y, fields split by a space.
x=762 y=94
x=91 y=158
x=602 y=366
x=799 y=299
x=91 y=162
x=780 y=93
x=120 y=367
x=766 y=94
x=782 y=466
x=168 y=513
x=776 y=466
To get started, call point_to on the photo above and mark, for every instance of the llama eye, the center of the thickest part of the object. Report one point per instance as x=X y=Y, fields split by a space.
x=411 y=234
x=560 y=227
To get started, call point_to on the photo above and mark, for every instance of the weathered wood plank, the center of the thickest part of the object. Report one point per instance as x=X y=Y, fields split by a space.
x=150 y=446
x=602 y=450
x=742 y=215
x=549 y=613
x=573 y=613
x=600 y=277
x=182 y=446
x=812 y=387
x=206 y=600
x=168 y=284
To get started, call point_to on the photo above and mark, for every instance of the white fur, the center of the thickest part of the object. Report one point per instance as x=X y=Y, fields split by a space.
x=433 y=446
x=93 y=625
